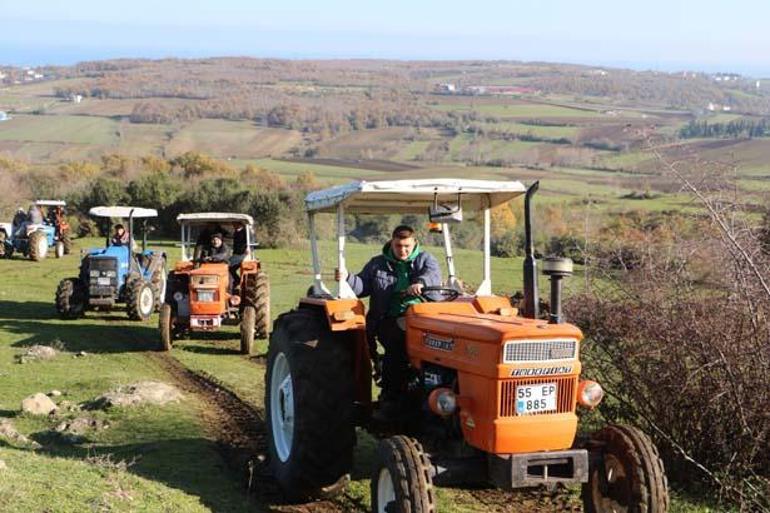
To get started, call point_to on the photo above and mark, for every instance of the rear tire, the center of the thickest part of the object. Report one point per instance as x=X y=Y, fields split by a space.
x=309 y=406
x=59 y=249
x=140 y=300
x=166 y=327
x=65 y=238
x=402 y=481
x=629 y=476
x=70 y=298
x=248 y=319
x=38 y=246
x=159 y=284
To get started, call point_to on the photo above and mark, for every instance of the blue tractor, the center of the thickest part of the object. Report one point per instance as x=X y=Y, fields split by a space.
x=117 y=273
x=30 y=234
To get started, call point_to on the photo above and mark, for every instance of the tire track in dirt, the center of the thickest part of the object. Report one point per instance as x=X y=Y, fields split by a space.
x=239 y=430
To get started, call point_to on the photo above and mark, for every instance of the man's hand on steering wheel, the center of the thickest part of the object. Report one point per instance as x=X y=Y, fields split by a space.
x=415 y=289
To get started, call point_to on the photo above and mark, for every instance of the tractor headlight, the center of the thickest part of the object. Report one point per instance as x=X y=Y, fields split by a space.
x=590 y=394
x=178 y=296
x=110 y=274
x=443 y=402
x=94 y=273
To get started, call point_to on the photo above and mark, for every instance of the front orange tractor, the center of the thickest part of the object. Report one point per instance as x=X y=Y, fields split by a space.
x=492 y=394
x=202 y=294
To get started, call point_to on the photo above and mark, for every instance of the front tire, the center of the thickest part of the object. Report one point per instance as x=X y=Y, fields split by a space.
x=628 y=477
x=309 y=405
x=70 y=298
x=402 y=481
x=140 y=300
x=248 y=320
x=38 y=246
x=166 y=327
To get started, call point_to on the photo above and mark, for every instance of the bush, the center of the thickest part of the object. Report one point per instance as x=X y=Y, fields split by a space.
x=505 y=245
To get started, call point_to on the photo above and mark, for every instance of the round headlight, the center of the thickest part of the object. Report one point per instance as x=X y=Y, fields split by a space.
x=442 y=401
x=590 y=393
x=178 y=296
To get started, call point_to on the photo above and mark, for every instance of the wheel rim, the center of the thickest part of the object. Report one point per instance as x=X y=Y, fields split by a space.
x=386 y=492
x=615 y=496
x=42 y=247
x=282 y=407
x=146 y=301
x=163 y=284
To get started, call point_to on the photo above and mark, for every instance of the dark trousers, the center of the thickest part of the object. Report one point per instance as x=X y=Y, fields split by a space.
x=234 y=266
x=395 y=363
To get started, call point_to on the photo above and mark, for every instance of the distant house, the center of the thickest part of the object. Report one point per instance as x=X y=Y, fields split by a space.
x=75 y=98
x=4 y=116
x=446 y=88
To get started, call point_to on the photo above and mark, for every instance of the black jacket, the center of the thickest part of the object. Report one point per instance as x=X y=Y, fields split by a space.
x=212 y=254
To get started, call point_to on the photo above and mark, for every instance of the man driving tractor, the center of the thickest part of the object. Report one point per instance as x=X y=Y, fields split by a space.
x=394 y=280
x=216 y=251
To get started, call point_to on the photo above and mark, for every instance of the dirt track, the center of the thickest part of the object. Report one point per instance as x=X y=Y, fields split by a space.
x=239 y=429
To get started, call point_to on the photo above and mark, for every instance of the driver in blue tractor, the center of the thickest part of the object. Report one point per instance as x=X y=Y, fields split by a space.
x=394 y=280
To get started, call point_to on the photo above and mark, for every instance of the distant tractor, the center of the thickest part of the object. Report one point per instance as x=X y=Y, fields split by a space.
x=492 y=392
x=32 y=238
x=117 y=274
x=55 y=216
x=202 y=294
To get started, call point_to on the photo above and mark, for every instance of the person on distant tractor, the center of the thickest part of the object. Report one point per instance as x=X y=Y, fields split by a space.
x=240 y=250
x=216 y=251
x=394 y=280
x=34 y=216
x=120 y=236
x=19 y=221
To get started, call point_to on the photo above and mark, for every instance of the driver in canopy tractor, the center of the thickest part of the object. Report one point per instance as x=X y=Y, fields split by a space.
x=216 y=251
x=394 y=280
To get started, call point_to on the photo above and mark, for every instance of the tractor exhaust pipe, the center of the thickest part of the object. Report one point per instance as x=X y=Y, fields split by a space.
x=530 y=265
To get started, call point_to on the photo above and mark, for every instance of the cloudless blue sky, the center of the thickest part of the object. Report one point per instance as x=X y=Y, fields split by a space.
x=708 y=35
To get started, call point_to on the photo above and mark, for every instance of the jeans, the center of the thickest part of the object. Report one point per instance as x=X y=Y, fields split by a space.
x=395 y=363
x=234 y=266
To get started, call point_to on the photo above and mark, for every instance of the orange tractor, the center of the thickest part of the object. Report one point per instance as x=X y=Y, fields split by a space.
x=202 y=294
x=494 y=391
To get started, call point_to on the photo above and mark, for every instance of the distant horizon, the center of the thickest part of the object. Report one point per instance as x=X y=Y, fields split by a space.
x=40 y=57
x=661 y=35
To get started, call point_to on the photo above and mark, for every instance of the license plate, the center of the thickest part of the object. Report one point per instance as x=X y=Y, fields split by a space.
x=103 y=280
x=205 y=296
x=535 y=398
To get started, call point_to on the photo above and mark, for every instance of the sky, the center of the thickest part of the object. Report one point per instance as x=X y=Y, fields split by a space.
x=669 y=35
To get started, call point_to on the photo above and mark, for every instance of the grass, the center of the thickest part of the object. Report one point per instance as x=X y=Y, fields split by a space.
x=518 y=110
x=59 y=129
x=176 y=466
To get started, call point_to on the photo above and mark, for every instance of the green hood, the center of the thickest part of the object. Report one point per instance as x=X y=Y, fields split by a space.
x=398 y=302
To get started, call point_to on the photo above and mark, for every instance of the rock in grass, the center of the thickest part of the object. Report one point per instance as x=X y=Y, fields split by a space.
x=54 y=393
x=3 y=466
x=38 y=404
x=143 y=392
x=8 y=432
x=38 y=352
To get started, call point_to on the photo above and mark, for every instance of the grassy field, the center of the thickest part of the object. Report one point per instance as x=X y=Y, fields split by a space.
x=164 y=459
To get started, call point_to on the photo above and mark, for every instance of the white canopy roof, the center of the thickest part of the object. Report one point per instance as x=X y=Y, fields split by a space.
x=51 y=203
x=411 y=196
x=123 y=212
x=214 y=217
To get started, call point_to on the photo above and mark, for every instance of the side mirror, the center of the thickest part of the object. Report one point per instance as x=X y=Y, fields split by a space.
x=445 y=213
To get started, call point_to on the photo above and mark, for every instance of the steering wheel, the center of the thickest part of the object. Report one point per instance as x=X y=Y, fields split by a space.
x=447 y=293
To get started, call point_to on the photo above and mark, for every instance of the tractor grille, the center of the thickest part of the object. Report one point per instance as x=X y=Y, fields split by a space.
x=102 y=277
x=565 y=394
x=539 y=350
